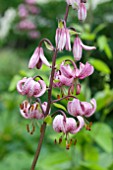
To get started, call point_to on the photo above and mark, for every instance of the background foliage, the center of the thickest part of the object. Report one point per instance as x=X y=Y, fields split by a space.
x=94 y=150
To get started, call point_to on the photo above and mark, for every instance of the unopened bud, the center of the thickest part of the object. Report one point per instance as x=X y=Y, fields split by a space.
x=78 y=89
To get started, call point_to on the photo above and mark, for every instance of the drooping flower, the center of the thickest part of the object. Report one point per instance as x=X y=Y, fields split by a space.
x=84 y=71
x=62 y=37
x=77 y=48
x=82 y=12
x=78 y=108
x=32 y=111
x=38 y=58
x=60 y=80
x=30 y=87
x=67 y=126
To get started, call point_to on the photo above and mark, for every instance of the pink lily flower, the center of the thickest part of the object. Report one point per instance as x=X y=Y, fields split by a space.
x=30 y=87
x=32 y=111
x=78 y=108
x=67 y=125
x=38 y=58
x=84 y=71
x=82 y=12
x=78 y=46
x=60 y=80
x=62 y=37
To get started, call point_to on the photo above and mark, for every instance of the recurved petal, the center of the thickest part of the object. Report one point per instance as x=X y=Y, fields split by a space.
x=24 y=107
x=66 y=81
x=58 y=124
x=20 y=85
x=85 y=70
x=74 y=108
x=71 y=125
x=82 y=12
x=80 y=126
x=34 y=58
x=62 y=40
x=42 y=89
x=27 y=86
x=93 y=108
x=66 y=70
x=43 y=58
x=68 y=43
x=85 y=47
x=77 y=49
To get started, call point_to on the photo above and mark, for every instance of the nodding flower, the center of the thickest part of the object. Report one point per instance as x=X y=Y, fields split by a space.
x=37 y=59
x=30 y=87
x=62 y=37
x=82 y=12
x=61 y=80
x=65 y=126
x=78 y=108
x=77 y=48
x=32 y=111
x=84 y=70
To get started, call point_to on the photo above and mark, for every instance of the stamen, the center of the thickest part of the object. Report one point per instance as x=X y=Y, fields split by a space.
x=55 y=141
x=27 y=127
x=60 y=140
x=21 y=106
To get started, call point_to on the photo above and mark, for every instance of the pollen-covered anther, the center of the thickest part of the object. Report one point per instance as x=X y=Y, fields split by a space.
x=88 y=126
x=58 y=96
x=55 y=141
x=33 y=129
x=60 y=140
x=27 y=127
x=21 y=106
x=75 y=141
x=68 y=146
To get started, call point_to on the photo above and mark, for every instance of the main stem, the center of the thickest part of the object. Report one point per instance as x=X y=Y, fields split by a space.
x=43 y=127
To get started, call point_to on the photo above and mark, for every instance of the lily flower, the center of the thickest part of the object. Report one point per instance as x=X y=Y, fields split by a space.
x=67 y=126
x=78 y=108
x=38 y=58
x=60 y=80
x=62 y=37
x=84 y=71
x=32 y=111
x=30 y=87
x=77 y=48
x=82 y=12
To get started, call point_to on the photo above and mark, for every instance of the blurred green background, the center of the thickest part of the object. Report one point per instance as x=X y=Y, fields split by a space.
x=94 y=149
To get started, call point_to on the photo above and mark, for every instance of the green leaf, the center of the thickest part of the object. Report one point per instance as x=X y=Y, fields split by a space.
x=104 y=46
x=59 y=106
x=102 y=135
x=88 y=36
x=48 y=119
x=99 y=28
x=102 y=160
x=100 y=65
